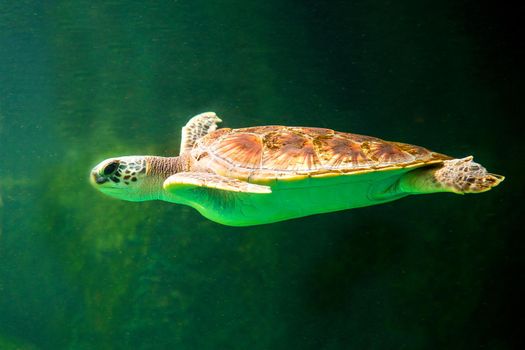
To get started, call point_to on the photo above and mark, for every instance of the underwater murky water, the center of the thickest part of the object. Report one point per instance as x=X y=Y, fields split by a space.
x=81 y=82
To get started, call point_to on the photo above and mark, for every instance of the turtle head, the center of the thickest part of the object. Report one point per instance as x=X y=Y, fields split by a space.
x=123 y=178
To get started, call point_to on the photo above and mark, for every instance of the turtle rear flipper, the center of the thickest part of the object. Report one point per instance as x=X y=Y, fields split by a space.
x=456 y=175
x=187 y=180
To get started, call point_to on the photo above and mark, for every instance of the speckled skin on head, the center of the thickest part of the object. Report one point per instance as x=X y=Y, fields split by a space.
x=135 y=178
x=265 y=174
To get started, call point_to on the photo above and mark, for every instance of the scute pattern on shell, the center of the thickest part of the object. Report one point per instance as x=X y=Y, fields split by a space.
x=279 y=151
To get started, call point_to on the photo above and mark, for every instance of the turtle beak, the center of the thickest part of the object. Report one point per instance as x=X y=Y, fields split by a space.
x=97 y=178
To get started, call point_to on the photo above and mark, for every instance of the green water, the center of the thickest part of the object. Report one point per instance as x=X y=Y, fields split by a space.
x=83 y=81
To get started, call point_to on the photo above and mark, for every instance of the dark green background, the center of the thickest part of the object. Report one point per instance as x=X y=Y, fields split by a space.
x=82 y=81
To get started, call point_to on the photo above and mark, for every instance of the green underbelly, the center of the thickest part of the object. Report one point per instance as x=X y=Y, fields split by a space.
x=299 y=198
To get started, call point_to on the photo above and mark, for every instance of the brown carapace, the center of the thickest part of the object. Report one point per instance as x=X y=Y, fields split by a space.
x=267 y=152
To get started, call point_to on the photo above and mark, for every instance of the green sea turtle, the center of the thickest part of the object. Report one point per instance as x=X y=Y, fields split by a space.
x=265 y=174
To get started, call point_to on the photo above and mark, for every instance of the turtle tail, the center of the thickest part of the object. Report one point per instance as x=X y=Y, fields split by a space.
x=456 y=175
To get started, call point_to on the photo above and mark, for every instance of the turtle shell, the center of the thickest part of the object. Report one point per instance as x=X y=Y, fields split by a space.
x=281 y=152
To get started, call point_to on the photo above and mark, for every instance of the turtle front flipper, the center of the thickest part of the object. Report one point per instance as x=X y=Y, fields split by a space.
x=187 y=180
x=455 y=175
x=221 y=199
x=197 y=127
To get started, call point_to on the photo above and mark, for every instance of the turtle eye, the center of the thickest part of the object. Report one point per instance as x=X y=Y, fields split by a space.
x=110 y=168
